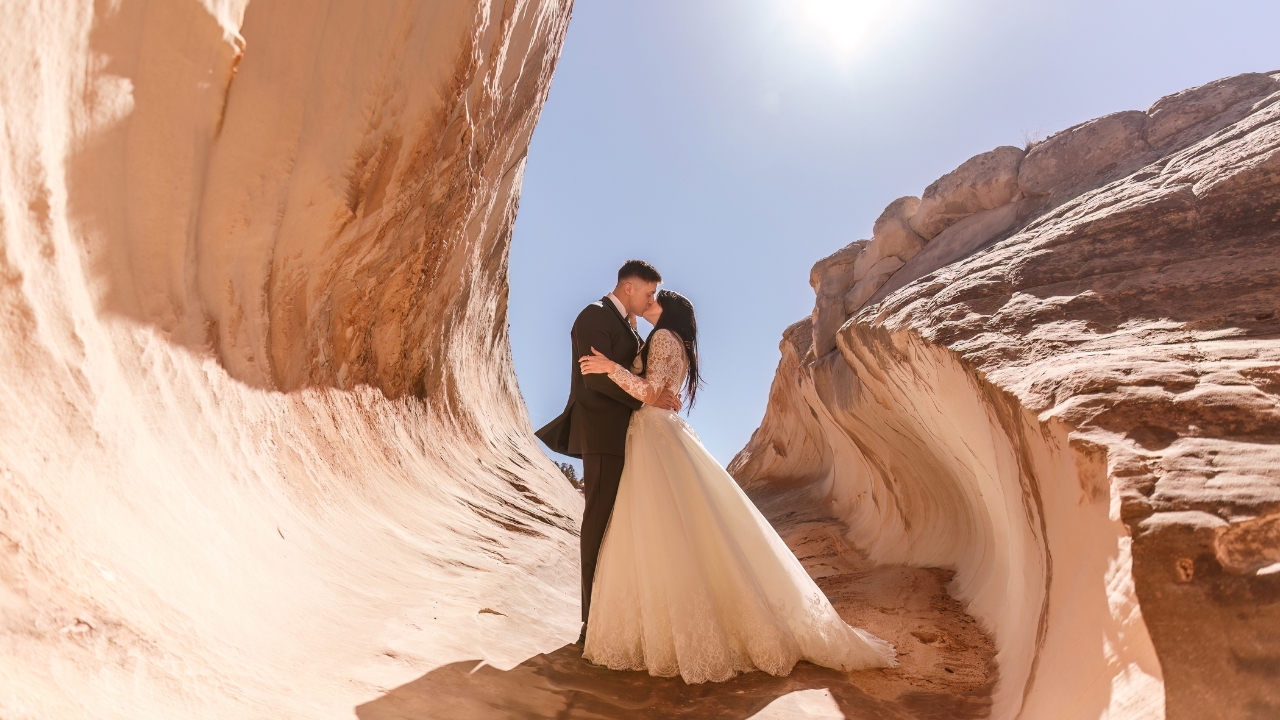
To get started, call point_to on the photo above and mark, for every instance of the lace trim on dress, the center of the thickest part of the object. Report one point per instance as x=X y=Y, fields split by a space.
x=666 y=369
x=691 y=580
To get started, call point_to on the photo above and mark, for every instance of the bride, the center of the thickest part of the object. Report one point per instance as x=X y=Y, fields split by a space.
x=691 y=579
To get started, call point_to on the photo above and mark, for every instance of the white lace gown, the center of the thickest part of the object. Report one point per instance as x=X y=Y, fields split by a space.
x=691 y=579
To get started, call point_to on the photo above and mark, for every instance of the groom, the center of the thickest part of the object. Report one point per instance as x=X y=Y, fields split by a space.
x=593 y=425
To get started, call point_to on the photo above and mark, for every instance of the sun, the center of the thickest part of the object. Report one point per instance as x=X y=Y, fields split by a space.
x=841 y=28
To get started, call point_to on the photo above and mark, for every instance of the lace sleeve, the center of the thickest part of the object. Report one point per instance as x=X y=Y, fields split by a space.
x=666 y=367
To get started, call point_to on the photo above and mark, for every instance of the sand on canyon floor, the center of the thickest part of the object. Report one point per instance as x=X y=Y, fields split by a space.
x=945 y=660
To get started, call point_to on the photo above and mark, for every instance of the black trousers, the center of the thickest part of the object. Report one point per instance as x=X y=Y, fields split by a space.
x=600 y=476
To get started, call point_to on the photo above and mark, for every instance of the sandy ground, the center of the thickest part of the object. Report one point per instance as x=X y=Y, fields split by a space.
x=945 y=671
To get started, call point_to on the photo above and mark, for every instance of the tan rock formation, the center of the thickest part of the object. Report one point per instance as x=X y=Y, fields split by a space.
x=970 y=206
x=1074 y=402
x=830 y=278
x=1205 y=109
x=845 y=279
x=263 y=453
x=982 y=182
x=1079 y=157
x=973 y=232
x=892 y=235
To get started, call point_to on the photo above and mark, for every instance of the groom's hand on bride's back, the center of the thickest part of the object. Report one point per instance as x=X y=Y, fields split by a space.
x=668 y=401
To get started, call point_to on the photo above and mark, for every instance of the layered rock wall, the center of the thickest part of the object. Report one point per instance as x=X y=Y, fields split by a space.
x=262 y=452
x=1055 y=372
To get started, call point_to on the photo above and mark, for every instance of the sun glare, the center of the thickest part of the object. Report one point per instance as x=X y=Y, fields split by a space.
x=841 y=29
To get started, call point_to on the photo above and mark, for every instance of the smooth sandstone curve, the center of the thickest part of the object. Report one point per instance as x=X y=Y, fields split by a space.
x=1078 y=411
x=264 y=453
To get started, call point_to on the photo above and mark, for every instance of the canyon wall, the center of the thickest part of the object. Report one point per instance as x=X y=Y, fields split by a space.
x=1057 y=372
x=262 y=451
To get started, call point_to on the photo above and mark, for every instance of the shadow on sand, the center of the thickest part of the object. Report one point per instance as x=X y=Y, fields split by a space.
x=562 y=685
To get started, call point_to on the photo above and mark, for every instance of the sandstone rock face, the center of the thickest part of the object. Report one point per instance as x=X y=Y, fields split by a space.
x=1076 y=407
x=892 y=236
x=983 y=182
x=1080 y=157
x=872 y=281
x=1205 y=109
x=973 y=232
x=264 y=455
x=845 y=279
x=831 y=277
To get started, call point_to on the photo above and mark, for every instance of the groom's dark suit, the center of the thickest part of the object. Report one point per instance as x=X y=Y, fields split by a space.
x=594 y=423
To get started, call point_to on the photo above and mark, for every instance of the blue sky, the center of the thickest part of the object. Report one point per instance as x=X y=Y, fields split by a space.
x=732 y=143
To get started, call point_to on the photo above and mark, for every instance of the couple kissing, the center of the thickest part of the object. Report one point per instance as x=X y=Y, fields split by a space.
x=681 y=574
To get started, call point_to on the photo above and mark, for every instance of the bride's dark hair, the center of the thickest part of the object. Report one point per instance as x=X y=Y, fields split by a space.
x=677 y=316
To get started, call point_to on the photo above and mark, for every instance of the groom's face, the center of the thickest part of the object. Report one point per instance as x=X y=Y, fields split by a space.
x=637 y=295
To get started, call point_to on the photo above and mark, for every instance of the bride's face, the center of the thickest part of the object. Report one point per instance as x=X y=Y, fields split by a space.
x=653 y=313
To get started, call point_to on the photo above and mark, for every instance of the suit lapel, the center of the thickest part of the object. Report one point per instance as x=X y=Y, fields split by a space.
x=635 y=335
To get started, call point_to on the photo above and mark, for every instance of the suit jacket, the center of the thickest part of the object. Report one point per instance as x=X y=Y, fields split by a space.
x=596 y=417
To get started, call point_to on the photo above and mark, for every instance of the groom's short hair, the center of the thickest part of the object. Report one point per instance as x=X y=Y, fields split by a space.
x=639 y=269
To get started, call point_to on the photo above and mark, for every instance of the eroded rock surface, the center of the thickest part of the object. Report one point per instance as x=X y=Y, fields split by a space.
x=1073 y=401
x=262 y=452
x=982 y=182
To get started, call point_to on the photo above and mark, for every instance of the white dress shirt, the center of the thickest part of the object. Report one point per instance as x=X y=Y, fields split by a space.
x=621 y=309
x=636 y=364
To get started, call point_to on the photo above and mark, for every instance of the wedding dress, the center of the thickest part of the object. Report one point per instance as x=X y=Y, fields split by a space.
x=691 y=579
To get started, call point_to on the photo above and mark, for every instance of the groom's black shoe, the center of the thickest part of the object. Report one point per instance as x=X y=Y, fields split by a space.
x=582 y=639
